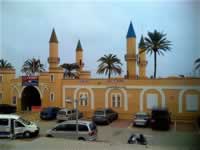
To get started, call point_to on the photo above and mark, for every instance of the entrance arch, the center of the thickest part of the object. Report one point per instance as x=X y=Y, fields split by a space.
x=30 y=97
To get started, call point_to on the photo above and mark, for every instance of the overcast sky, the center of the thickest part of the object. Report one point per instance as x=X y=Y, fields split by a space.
x=25 y=29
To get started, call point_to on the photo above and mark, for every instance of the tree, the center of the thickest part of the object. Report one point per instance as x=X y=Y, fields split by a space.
x=32 y=66
x=156 y=43
x=109 y=64
x=4 y=64
x=70 y=70
x=197 y=64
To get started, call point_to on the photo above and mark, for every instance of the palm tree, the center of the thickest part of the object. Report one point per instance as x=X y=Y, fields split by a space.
x=197 y=64
x=4 y=64
x=109 y=64
x=70 y=70
x=32 y=66
x=156 y=43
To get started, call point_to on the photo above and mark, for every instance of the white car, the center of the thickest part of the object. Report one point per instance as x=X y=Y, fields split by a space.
x=141 y=119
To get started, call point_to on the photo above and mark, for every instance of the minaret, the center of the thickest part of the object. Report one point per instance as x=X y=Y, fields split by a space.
x=53 y=52
x=79 y=55
x=131 y=53
x=142 y=59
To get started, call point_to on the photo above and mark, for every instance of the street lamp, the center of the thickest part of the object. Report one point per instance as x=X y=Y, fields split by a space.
x=82 y=98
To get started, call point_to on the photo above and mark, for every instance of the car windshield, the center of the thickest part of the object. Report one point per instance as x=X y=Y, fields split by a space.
x=141 y=116
x=62 y=113
x=99 y=112
x=24 y=121
x=159 y=114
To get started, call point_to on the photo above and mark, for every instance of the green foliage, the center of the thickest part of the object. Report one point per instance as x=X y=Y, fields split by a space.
x=197 y=64
x=109 y=64
x=70 y=70
x=4 y=64
x=32 y=66
x=156 y=43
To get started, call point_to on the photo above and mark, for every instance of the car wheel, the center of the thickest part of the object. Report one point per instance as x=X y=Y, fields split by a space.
x=27 y=134
x=108 y=122
x=81 y=139
x=49 y=135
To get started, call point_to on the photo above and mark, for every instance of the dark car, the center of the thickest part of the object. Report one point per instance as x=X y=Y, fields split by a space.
x=160 y=119
x=104 y=116
x=7 y=109
x=49 y=113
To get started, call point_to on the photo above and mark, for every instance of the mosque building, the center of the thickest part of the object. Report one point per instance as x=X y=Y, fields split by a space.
x=128 y=95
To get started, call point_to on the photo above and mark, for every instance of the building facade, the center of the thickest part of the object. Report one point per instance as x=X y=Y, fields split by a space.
x=127 y=95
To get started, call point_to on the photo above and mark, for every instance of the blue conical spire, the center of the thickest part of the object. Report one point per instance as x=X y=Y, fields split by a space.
x=131 y=32
x=79 y=47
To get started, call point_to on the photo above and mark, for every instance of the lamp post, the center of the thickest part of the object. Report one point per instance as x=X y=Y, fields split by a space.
x=76 y=104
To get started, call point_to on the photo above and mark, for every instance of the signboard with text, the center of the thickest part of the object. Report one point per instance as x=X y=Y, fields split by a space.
x=30 y=80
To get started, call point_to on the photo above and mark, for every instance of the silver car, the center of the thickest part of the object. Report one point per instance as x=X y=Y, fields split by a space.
x=68 y=114
x=87 y=130
x=141 y=119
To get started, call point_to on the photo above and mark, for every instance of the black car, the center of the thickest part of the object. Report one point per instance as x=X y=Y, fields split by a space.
x=7 y=109
x=104 y=116
x=160 y=119
x=49 y=113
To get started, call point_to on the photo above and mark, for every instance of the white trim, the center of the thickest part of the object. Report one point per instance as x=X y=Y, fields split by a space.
x=125 y=97
x=90 y=91
x=151 y=88
x=15 y=87
x=116 y=100
x=85 y=94
x=137 y=87
x=180 y=98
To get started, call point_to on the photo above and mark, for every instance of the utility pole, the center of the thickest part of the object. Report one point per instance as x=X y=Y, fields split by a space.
x=76 y=102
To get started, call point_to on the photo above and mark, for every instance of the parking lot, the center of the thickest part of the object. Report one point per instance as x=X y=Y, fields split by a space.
x=113 y=136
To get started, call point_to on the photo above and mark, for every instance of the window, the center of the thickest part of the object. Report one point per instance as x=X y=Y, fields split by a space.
x=1 y=78
x=192 y=103
x=60 y=127
x=1 y=96
x=82 y=127
x=70 y=127
x=152 y=100
x=52 y=97
x=83 y=98
x=18 y=124
x=116 y=100
x=52 y=78
x=14 y=100
x=3 y=122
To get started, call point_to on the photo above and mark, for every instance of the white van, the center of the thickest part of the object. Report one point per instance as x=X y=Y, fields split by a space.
x=87 y=130
x=14 y=125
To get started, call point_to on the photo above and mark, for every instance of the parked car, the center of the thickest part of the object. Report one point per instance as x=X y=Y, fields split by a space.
x=7 y=109
x=87 y=130
x=141 y=119
x=68 y=114
x=137 y=139
x=49 y=113
x=160 y=119
x=15 y=126
x=105 y=115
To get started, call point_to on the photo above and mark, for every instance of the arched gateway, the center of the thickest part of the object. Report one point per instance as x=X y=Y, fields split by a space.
x=30 y=97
